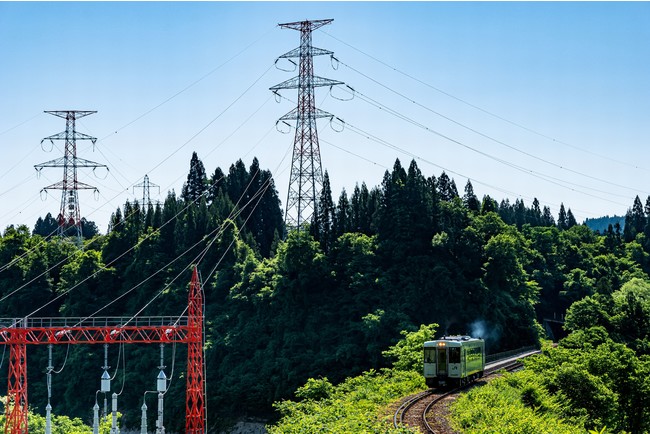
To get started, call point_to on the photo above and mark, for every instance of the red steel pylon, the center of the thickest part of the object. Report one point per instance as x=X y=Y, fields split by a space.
x=18 y=333
x=16 y=406
x=195 y=391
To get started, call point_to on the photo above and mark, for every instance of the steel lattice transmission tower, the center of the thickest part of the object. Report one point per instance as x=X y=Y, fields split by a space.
x=146 y=185
x=69 y=215
x=306 y=179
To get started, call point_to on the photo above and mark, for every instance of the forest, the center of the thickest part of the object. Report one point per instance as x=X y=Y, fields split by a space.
x=324 y=302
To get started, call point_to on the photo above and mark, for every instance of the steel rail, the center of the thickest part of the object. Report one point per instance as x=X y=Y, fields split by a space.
x=510 y=367
x=398 y=416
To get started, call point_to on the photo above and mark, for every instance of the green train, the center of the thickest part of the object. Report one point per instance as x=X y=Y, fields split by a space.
x=453 y=360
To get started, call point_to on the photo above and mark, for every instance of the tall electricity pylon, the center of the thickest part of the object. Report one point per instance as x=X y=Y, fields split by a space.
x=306 y=179
x=146 y=189
x=70 y=216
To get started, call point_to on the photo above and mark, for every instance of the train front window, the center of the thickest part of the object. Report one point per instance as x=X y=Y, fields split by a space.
x=429 y=355
x=454 y=355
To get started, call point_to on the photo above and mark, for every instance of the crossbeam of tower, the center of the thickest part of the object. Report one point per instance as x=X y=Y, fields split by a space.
x=70 y=215
x=18 y=333
x=306 y=178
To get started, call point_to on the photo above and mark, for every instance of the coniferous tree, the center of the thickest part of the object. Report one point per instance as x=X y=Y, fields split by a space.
x=535 y=214
x=570 y=219
x=453 y=191
x=237 y=184
x=635 y=221
x=342 y=223
x=266 y=222
x=419 y=229
x=355 y=209
x=628 y=228
x=115 y=223
x=562 y=223
x=520 y=213
x=469 y=199
x=506 y=211
x=196 y=183
x=547 y=217
x=323 y=226
x=488 y=205
x=88 y=228
x=393 y=212
x=46 y=227
x=216 y=184
x=156 y=220
x=375 y=198
x=446 y=187
x=365 y=216
x=170 y=216
x=148 y=218
x=638 y=221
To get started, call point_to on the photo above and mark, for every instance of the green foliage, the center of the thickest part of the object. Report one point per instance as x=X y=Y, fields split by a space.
x=283 y=308
x=407 y=353
x=625 y=314
x=596 y=380
x=514 y=404
x=60 y=424
x=354 y=406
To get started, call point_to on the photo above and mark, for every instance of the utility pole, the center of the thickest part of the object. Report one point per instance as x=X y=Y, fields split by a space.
x=146 y=188
x=306 y=179
x=69 y=215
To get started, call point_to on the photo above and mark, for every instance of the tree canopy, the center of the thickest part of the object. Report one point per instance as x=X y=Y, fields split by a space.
x=324 y=302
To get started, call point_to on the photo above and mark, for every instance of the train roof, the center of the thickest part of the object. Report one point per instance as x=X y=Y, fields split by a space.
x=453 y=341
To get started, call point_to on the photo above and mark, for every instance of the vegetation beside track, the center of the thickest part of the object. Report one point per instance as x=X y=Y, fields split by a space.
x=358 y=404
x=588 y=382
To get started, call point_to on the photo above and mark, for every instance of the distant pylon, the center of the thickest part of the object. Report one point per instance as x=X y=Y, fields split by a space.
x=306 y=179
x=69 y=215
x=146 y=187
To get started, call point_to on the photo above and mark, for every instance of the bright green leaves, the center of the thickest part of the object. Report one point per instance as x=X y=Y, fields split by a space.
x=515 y=404
x=358 y=405
x=407 y=353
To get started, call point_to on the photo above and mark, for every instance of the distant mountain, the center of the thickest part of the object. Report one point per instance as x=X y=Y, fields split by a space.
x=601 y=224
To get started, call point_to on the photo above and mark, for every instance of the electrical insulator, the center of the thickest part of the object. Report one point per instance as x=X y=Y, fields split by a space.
x=161 y=382
x=96 y=418
x=106 y=382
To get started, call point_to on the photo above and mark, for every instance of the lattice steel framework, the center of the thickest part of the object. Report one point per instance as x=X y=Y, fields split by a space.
x=306 y=178
x=195 y=404
x=16 y=407
x=18 y=333
x=146 y=185
x=70 y=215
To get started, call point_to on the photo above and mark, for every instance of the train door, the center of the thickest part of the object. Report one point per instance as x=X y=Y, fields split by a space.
x=463 y=362
x=429 y=362
x=442 y=361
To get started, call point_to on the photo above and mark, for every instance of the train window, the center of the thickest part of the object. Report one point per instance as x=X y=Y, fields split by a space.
x=429 y=355
x=454 y=355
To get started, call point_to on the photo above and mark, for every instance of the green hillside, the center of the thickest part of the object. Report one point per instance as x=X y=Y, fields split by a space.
x=321 y=303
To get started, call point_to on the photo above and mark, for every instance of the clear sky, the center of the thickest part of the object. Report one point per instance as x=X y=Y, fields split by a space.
x=548 y=100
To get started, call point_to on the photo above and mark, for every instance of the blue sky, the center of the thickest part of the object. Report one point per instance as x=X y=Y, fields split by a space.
x=548 y=100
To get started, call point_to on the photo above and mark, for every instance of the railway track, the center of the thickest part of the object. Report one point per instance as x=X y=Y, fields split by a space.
x=414 y=410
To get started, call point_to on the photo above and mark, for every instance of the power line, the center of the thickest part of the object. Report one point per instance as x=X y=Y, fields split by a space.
x=485 y=154
x=518 y=125
x=556 y=165
x=383 y=142
x=189 y=86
